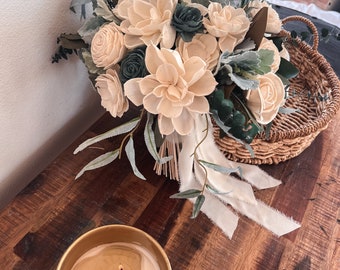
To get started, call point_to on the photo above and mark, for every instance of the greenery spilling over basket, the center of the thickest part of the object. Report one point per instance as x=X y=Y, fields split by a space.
x=314 y=96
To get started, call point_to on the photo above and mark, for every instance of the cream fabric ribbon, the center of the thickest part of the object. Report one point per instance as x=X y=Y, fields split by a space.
x=236 y=193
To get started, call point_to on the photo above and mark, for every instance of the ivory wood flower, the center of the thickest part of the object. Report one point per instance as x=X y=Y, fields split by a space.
x=147 y=22
x=203 y=45
x=111 y=92
x=265 y=101
x=228 y=24
x=174 y=90
x=107 y=47
x=274 y=24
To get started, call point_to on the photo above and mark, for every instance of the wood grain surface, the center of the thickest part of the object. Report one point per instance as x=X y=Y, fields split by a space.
x=48 y=215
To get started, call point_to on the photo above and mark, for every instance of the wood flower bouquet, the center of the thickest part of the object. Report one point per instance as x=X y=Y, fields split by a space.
x=192 y=67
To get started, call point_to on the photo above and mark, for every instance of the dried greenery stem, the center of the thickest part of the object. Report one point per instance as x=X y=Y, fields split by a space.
x=130 y=134
x=197 y=160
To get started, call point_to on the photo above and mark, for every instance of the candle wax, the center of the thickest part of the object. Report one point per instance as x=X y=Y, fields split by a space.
x=117 y=256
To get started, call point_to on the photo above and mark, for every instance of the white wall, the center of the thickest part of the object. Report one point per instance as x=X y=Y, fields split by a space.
x=43 y=106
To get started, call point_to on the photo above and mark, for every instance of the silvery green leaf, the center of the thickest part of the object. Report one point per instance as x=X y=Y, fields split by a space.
x=108 y=134
x=197 y=205
x=246 y=59
x=99 y=162
x=243 y=83
x=288 y=110
x=215 y=191
x=220 y=168
x=224 y=56
x=267 y=58
x=104 y=11
x=150 y=142
x=130 y=152
x=91 y=26
x=187 y=194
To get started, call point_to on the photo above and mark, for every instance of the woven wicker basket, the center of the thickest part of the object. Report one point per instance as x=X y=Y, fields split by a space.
x=290 y=134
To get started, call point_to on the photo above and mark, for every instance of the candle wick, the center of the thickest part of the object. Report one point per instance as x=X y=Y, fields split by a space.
x=120 y=267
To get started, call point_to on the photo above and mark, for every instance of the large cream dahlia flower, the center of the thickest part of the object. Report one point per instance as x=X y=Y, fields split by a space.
x=174 y=90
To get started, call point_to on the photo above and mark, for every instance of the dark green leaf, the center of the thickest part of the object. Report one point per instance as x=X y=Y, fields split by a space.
x=225 y=109
x=304 y=35
x=293 y=34
x=287 y=69
x=324 y=32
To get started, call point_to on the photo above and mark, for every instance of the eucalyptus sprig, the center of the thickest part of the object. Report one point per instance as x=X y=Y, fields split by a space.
x=129 y=128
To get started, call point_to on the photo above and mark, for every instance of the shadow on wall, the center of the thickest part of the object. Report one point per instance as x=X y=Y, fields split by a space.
x=38 y=161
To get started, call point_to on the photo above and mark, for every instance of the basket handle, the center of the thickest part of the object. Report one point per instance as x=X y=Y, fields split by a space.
x=309 y=23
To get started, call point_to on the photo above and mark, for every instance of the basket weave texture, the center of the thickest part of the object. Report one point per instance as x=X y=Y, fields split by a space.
x=316 y=95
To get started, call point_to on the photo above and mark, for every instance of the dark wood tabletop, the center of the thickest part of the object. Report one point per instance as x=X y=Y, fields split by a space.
x=53 y=210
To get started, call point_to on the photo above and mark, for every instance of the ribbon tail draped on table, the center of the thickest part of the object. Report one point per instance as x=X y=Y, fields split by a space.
x=229 y=190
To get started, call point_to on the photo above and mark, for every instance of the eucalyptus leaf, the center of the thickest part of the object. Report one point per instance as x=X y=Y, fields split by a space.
x=150 y=142
x=108 y=134
x=130 y=153
x=220 y=168
x=187 y=194
x=99 y=162
x=197 y=205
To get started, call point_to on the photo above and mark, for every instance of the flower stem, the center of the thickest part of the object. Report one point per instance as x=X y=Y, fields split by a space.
x=130 y=134
x=196 y=159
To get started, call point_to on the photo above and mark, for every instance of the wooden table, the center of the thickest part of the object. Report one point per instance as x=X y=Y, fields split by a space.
x=50 y=213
